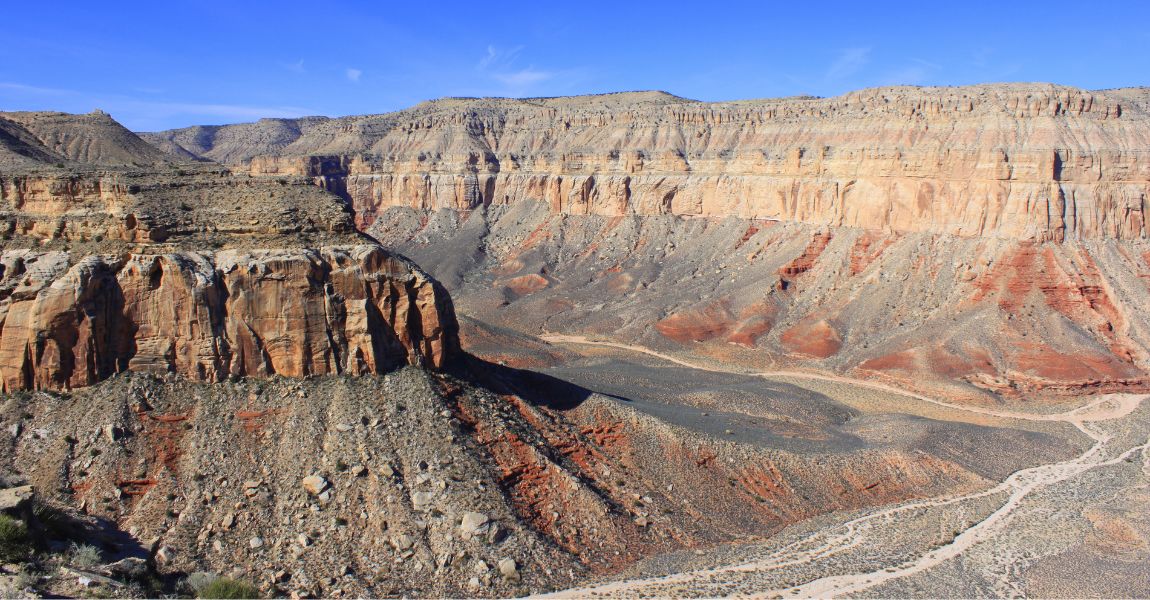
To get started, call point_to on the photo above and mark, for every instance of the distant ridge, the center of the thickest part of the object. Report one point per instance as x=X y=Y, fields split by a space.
x=52 y=137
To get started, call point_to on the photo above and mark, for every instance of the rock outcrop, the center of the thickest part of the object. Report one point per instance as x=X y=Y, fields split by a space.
x=1014 y=161
x=111 y=264
x=354 y=310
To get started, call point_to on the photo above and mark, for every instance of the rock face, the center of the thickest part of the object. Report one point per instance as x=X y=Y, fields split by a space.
x=116 y=261
x=354 y=310
x=1037 y=162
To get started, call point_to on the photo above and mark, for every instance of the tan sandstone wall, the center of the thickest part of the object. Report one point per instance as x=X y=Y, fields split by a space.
x=354 y=310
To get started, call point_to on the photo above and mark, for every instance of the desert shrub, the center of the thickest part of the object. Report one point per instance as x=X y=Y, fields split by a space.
x=14 y=542
x=228 y=588
x=84 y=556
x=197 y=581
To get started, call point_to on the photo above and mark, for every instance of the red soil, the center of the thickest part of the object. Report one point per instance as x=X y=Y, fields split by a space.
x=817 y=339
x=865 y=250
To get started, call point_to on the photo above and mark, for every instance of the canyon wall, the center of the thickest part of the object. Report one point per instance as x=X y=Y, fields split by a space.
x=69 y=322
x=1014 y=161
x=114 y=260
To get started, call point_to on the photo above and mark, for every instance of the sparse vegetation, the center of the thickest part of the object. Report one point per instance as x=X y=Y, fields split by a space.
x=14 y=541
x=84 y=556
x=228 y=588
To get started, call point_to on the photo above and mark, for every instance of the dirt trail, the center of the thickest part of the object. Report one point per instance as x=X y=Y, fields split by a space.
x=1109 y=406
x=751 y=579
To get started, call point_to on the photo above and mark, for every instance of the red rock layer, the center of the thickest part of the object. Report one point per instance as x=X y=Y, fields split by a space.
x=355 y=309
x=805 y=261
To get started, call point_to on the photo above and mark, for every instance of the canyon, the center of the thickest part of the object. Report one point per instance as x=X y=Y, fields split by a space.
x=625 y=344
x=1001 y=227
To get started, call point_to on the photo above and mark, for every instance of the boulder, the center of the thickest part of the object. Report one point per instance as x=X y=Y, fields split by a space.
x=315 y=484
x=15 y=498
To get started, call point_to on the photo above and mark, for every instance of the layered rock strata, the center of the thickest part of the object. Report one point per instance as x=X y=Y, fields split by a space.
x=112 y=263
x=787 y=229
x=354 y=310
x=1015 y=161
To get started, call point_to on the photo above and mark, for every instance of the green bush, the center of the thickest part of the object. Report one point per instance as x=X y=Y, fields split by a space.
x=229 y=588
x=14 y=543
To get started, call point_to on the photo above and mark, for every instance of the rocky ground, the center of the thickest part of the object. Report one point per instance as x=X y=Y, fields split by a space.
x=419 y=484
x=326 y=487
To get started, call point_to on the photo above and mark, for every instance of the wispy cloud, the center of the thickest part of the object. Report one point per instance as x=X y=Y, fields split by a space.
x=523 y=77
x=919 y=72
x=926 y=63
x=353 y=75
x=498 y=58
x=504 y=67
x=912 y=75
x=228 y=111
x=849 y=62
x=295 y=67
x=32 y=89
x=981 y=57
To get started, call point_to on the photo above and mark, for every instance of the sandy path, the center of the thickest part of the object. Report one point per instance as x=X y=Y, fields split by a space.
x=844 y=537
x=1109 y=406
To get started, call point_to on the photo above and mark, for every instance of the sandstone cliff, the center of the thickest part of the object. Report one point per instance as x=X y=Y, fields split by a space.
x=1015 y=161
x=111 y=264
x=68 y=323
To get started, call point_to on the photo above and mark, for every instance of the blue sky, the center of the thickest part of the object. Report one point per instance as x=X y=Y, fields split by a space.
x=157 y=64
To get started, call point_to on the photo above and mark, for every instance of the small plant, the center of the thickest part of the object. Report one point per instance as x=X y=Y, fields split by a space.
x=14 y=542
x=26 y=579
x=228 y=588
x=198 y=581
x=84 y=556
